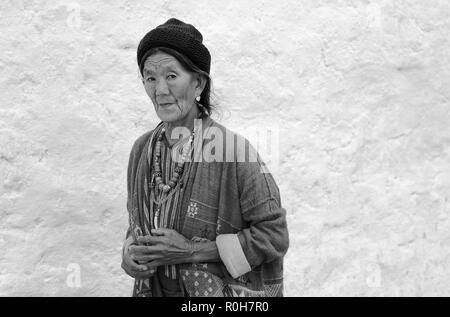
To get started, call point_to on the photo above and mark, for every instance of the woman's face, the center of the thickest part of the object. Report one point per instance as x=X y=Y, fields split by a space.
x=171 y=88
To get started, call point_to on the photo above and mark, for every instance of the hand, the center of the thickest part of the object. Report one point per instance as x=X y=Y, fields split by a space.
x=133 y=269
x=165 y=246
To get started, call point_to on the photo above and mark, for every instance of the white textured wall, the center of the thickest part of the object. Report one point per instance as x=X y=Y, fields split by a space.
x=360 y=90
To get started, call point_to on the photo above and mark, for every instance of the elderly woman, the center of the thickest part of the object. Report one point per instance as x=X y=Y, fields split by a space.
x=199 y=224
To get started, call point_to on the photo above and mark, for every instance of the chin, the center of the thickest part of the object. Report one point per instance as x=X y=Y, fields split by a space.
x=167 y=117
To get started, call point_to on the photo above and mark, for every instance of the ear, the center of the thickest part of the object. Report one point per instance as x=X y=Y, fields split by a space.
x=200 y=83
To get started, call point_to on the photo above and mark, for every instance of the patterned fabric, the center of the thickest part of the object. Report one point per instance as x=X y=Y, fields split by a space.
x=192 y=209
x=202 y=284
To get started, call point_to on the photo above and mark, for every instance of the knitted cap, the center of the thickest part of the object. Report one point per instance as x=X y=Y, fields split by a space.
x=177 y=35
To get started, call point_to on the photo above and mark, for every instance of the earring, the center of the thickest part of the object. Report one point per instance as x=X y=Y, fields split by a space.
x=197 y=98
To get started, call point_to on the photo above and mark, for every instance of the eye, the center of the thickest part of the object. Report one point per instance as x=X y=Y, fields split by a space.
x=172 y=76
x=150 y=79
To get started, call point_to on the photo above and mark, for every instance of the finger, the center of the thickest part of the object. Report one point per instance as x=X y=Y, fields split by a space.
x=150 y=253
x=144 y=250
x=134 y=266
x=140 y=274
x=148 y=240
x=131 y=265
x=138 y=249
x=146 y=258
x=133 y=273
x=161 y=231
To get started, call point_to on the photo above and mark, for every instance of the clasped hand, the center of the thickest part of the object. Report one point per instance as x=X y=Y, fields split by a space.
x=163 y=247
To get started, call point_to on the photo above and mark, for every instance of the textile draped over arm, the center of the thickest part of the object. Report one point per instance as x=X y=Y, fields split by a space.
x=131 y=172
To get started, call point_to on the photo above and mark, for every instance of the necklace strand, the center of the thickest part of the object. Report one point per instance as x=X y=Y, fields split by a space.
x=157 y=175
x=179 y=168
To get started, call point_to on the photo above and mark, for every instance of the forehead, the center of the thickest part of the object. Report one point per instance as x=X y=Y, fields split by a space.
x=160 y=61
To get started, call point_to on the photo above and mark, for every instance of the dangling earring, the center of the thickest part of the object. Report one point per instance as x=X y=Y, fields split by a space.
x=200 y=107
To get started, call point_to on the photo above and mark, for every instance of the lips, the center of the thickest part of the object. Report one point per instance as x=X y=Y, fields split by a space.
x=165 y=104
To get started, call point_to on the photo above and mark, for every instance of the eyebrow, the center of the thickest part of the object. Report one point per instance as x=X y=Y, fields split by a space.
x=168 y=65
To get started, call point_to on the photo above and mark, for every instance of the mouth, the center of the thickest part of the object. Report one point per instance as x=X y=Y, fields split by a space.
x=165 y=104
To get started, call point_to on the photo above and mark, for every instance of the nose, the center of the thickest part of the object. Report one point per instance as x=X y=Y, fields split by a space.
x=161 y=88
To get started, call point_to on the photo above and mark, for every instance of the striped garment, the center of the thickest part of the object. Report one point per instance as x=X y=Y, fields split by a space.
x=170 y=202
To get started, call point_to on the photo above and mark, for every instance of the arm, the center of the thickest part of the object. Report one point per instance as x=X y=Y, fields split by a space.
x=131 y=267
x=167 y=246
x=265 y=240
x=266 y=237
x=205 y=252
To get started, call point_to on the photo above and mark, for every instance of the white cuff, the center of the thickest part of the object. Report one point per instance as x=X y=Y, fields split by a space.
x=232 y=255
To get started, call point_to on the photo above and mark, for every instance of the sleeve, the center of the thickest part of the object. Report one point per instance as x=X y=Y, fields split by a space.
x=266 y=238
x=129 y=178
x=135 y=152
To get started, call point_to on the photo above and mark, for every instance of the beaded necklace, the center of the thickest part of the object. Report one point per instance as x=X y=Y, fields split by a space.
x=178 y=168
x=157 y=174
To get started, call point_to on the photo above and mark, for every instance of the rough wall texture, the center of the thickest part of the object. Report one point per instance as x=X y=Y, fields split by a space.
x=358 y=89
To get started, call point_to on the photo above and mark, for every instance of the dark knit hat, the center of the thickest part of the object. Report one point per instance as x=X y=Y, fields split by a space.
x=177 y=35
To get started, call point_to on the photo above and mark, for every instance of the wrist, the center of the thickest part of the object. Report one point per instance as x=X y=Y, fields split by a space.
x=203 y=252
x=191 y=251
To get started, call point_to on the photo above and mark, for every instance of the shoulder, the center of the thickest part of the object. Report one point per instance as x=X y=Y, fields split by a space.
x=139 y=144
x=249 y=162
x=140 y=141
x=235 y=145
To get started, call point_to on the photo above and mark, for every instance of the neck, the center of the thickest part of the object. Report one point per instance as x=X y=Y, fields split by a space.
x=187 y=122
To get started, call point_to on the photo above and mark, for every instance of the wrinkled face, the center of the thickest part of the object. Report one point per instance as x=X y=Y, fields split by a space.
x=171 y=88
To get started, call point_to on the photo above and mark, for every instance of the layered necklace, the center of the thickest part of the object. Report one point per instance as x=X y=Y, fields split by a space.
x=179 y=168
x=157 y=174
